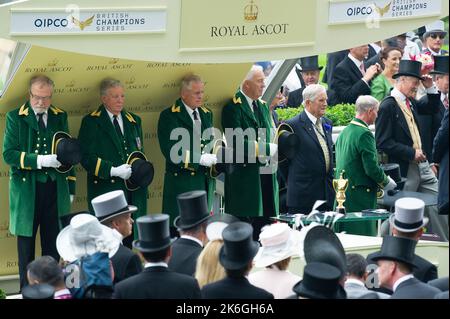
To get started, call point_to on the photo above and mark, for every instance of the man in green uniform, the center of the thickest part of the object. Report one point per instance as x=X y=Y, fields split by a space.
x=108 y=136
x=251 y=191
x=38 y=194
x=356 y=154
x=185 y=137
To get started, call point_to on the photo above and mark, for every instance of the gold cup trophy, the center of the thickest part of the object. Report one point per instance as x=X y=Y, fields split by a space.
x=340 y=186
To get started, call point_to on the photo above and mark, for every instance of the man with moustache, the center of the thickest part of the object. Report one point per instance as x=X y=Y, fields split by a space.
x=397 y=134
x=108 y=136
x=38 y=193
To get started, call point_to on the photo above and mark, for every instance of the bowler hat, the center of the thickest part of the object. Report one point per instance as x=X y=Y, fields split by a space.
x=322 y=245
x=217 y=223
x=288 y=142
x=440 y=64
x=408 y=216
x=397 y=249
x=310 y=63
x=224 y=159
x=38 y=291
x=142 y=171
x=435 y=27
x=393 y=171
x=238 y=248
x=65 y=219
x=153 y=233
x=67 y=150
x=110 y=205
x=409 y=68
x=193 y=208
x=320 y=281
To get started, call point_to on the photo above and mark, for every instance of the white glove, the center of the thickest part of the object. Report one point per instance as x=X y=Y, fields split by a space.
x=390 y=185
x=71 y=198
x=273 y=149
x=47 y=161
x=123 y=171
x=208 y=160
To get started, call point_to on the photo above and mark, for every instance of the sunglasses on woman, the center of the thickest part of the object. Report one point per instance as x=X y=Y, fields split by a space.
x=437 y=35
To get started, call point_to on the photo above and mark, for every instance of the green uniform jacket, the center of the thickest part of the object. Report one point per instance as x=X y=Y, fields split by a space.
x=102 y=149
x=183 y=171
x=356 y=154
x=19 y=151
x=243 y=194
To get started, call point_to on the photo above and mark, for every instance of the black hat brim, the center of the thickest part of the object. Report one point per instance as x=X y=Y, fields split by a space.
x=237 y=264
x=133 y=156
x=56 y=138
x=179 y=225
x=379 y=256
x=138 y=244
x=306 y=69
x=303 y=291
x=414 y=75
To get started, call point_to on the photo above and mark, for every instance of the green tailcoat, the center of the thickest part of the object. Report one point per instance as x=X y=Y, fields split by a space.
x=243 y=194
x=356 y=153
x=20 y=144
x=183 y=171
x=103 y=148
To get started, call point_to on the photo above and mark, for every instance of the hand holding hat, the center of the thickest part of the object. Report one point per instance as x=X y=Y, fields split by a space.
x=48 y=161
x=123 y=171
x=208 y=160
x=390 y=185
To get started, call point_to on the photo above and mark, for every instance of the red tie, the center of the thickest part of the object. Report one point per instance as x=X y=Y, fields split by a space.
x=362 y=68
x=445 y=102
x=408 y=104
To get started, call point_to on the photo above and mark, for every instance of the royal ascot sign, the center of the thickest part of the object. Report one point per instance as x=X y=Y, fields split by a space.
x=243 y=25
x=344 y=12
x=89 y=21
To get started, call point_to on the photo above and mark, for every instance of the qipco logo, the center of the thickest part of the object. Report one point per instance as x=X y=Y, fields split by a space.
x=359 y=11
x=51 y=23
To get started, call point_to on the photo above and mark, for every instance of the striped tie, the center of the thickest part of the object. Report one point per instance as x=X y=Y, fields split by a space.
x=323 y=143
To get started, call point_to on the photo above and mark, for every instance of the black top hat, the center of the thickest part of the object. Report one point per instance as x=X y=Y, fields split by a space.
x=238 y=248
x=153 y=233
x=310 y=63
x=224 y=159
x=397 y=249
x=65 y=219
x=288 y=142
x=142 y=171
x=67 y=150
x=38 y=291
x=322 y=245
x=409 y=68
x=320 y=281
x=393 y=171
x=193 y=208
x=440 y=64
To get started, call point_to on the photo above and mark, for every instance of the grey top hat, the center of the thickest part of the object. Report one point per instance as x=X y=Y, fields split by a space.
x=238 y=248
x=217 y=223
x=38 y=291
x=397 y=249
x=434 y=27
x=153 y=233
x=408 y=216
x=193 y=208
x=110 y=205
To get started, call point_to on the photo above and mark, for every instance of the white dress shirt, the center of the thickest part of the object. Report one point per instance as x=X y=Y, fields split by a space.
x=119 y=119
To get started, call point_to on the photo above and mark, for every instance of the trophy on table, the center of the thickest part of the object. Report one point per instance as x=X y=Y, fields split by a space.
x=340 y=186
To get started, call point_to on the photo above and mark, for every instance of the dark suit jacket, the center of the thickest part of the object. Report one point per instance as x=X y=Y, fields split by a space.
x=333 y=59
x=425 y=271
x=347 y=83
x=125 y=264
x=308 y=180
x=295 y=98
x=157 y=283
x=440 y=283
x=184 y=256
x=392 y=133
x=234 y=288
x=414 y=289
x=440 y=155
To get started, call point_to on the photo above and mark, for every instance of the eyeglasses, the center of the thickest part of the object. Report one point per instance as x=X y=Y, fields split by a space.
x=437 y=35
x=40 y=98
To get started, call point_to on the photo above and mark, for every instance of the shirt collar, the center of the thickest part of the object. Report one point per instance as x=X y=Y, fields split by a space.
x=399 y=281
x=355 y=60
x=355 y=281
x=36 y=113
x=111 y=116
x=443 y=96
x=189 y=110
x=311 y=117
x=192 y=238
x=249 y=100
x=61 y=292
x=435 y=53
x=396 y=93
x=157 y=264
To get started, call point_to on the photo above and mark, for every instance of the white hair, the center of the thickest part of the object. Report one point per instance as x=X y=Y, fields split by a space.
x=311 y=92
x=366 y=102
x=255 y=68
